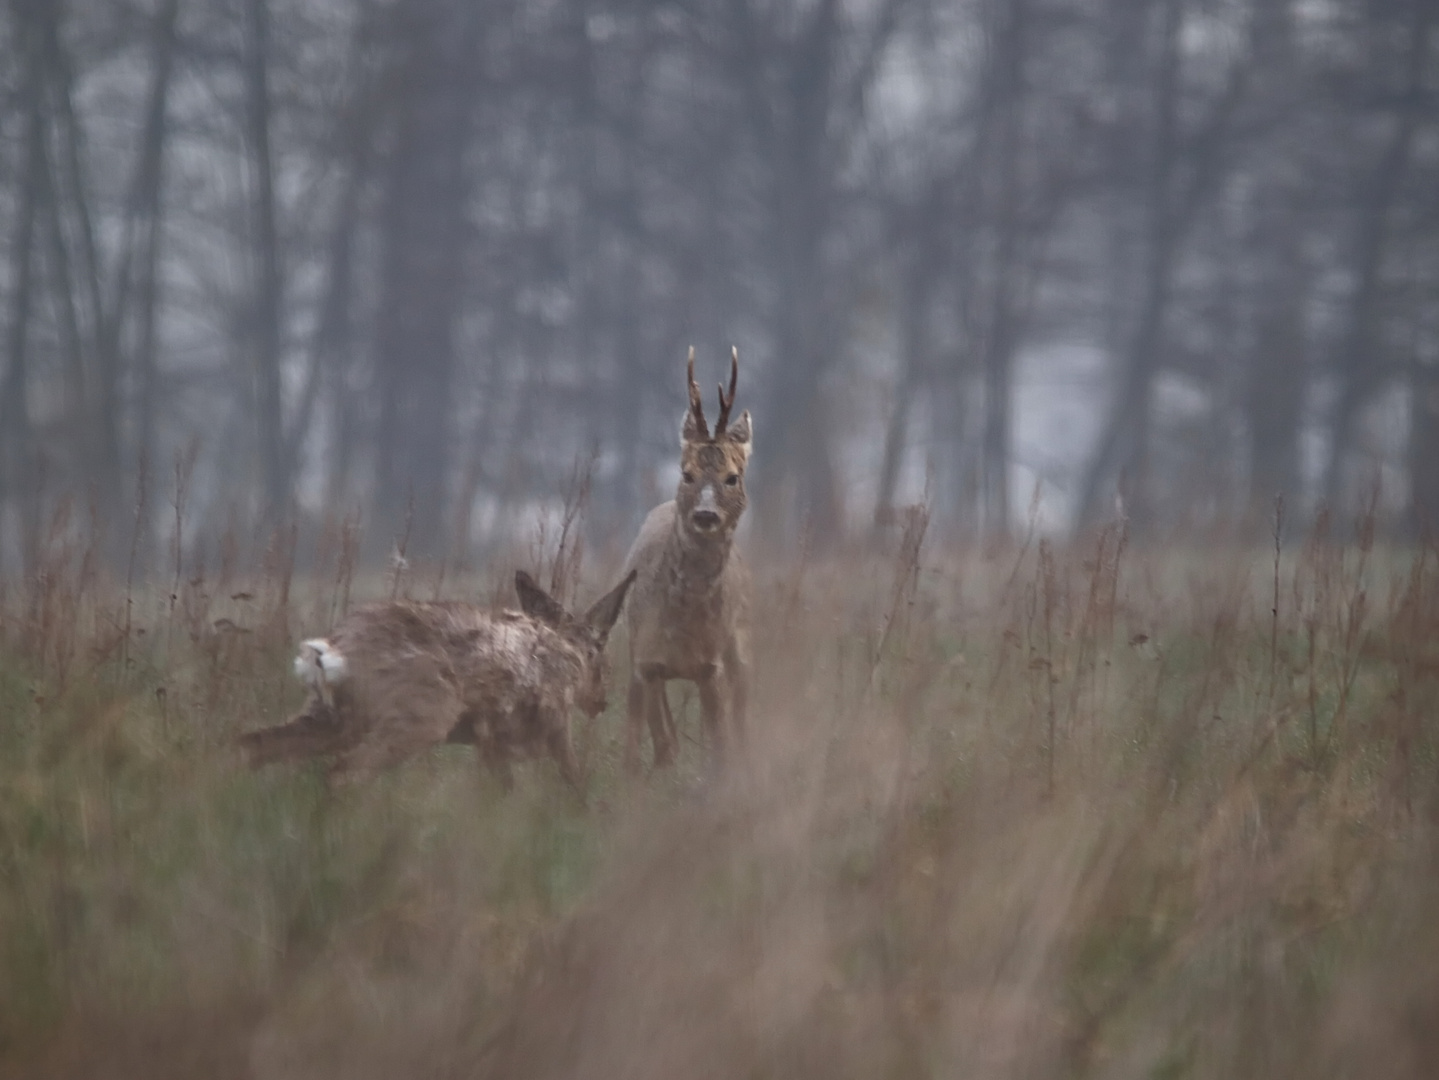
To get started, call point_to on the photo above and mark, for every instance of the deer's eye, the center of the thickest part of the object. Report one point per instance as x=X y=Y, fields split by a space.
x=731 y=480
x=689 y=478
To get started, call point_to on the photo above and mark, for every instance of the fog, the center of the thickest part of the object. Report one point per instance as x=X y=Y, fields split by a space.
x=417 y=261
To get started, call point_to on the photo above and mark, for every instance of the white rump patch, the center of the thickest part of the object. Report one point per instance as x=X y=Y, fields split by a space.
x=319 y=665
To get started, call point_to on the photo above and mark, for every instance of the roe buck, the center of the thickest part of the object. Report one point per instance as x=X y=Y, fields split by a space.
x=395 y=678
x=688 y=617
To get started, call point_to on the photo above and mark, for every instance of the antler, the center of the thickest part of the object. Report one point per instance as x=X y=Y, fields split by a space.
x=727 y=402
x=697 y=409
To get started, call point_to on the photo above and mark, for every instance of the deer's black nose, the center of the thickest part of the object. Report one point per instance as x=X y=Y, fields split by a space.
x=705 y=519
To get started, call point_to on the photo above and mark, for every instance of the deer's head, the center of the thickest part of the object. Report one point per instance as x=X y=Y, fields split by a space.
x=588 y=633
x=711 y=495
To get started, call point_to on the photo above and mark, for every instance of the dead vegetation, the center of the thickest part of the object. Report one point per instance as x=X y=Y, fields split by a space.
x=1061 y=810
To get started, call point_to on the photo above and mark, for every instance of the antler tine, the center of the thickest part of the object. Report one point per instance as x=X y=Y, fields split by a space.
x=697 y=409
x=727 y=401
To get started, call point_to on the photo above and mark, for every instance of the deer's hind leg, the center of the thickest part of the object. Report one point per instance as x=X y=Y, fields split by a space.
x=663 y=732
x=498 y=762
x=636 y=708
x=401 y=727
x=646 y=706
x=314 y=732
x=737 y=675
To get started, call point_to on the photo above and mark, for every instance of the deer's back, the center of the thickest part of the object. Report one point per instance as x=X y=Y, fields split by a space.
x=404 y=657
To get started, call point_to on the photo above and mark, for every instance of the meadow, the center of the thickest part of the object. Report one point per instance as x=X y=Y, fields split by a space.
x=1090 y=809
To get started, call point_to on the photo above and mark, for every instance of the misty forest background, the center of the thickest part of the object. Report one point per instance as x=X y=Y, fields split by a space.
x=411 y=260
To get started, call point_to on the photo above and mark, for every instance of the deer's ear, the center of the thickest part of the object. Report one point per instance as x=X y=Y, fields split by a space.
x=535 y=602
x=741 y=432
x=606 y=612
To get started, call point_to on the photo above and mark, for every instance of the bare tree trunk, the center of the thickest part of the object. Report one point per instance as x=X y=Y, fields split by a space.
x=266 y=311
x=1007 y=91
x=92 y=355
x=801 y=449
x=1360 y=374
x=67 y=315
x=57 y=197
x=999 y=347
x=610 y=319
x=914 y=362
x=1424 y=450
x=330 y=341
x=331 y=360
x=149 y=200
x=1275 y=357
x=1276 y=374
x=17 y=442
x=802 y=134
x=424 y=230
x=1124 y=444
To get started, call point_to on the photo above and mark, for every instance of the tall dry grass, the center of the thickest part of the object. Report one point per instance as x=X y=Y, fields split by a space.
x=1058 y=810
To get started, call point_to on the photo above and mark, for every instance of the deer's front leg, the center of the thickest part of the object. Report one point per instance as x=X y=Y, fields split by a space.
x=647 y=706
x=712 y=713
x=498 y=762
x=737 y=674
x=562 y=748
x=662 y=725
x=635 y=709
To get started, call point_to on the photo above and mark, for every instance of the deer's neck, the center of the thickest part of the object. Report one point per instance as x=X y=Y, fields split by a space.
x=700 y=560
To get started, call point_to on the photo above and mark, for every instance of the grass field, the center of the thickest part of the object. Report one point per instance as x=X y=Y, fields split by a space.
x=1051 y=811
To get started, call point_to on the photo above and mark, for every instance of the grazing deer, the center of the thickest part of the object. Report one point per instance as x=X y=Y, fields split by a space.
x=688 y=616
x=395 y=678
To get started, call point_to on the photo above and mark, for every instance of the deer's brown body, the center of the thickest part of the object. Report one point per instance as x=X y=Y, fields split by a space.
x=689 y=612
x=395 y=678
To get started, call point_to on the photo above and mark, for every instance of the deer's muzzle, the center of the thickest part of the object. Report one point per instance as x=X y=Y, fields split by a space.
x=706 y=512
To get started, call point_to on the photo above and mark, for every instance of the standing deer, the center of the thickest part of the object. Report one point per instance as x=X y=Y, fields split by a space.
x=395 y=678
x=689 y=615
